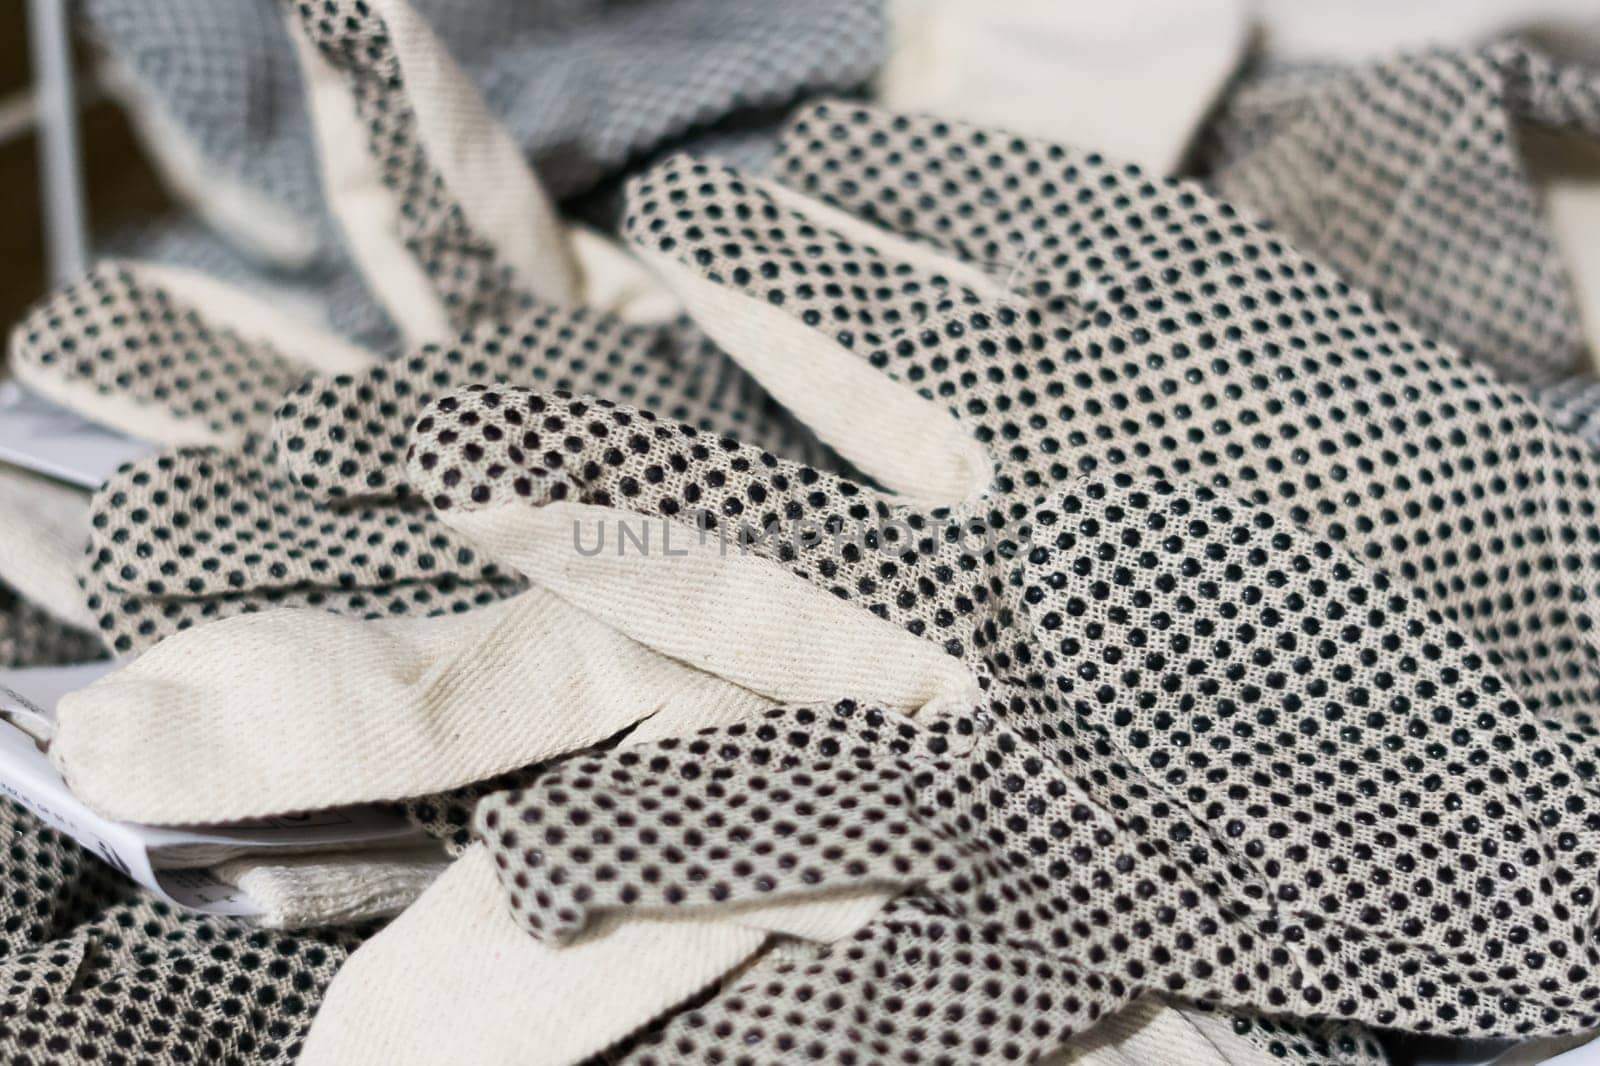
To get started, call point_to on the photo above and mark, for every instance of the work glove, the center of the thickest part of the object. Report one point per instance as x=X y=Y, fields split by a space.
x=1368 y=482
x=133 y=349
x=186 y=362
x=1368 y=615
x=200 y=535
x=1451 y=183
x=319 y=517
x=202 y=703
x=164 y=355
x=160 y=355
x=251 y=447
x=94 y=969
x=394 y=740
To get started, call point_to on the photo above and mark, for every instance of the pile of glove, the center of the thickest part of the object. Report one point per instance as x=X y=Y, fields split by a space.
x=888 y=584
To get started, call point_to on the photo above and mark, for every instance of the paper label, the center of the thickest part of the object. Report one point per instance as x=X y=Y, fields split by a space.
x=48 y=439
x=28 y=697
x=27 y=777
x=169 y=861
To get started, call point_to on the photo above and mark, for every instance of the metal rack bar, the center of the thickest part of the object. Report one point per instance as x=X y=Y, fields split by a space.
x=60 y=164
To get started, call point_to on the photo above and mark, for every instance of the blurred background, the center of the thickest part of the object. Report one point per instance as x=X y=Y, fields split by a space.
x=121 y=186
x=158 y=81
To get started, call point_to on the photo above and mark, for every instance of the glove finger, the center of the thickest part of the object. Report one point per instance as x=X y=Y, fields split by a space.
x=953 y=1002
x=510 y=1001
x=646 y=522
x=223 y=723
x=829 y=798
x=440 y=211
x=191 y=535
x=168 y=355
x=345 y=437
x=829 y=314
x=130 y=624
x=447 y=816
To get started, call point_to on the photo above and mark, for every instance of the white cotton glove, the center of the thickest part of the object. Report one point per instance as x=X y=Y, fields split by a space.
x=429 y=694
x=166 y=356
x=1076 y=705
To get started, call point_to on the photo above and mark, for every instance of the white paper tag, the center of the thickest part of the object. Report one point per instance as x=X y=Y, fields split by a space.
x=28 y=697
x=48 y=439
x=169 y=861
x=27 y=777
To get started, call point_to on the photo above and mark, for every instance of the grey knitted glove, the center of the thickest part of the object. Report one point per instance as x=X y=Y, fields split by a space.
x=584 y=87
x=1408 y=175
x=584 y=90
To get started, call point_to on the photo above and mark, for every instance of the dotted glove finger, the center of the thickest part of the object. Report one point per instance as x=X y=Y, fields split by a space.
x=194 y=535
